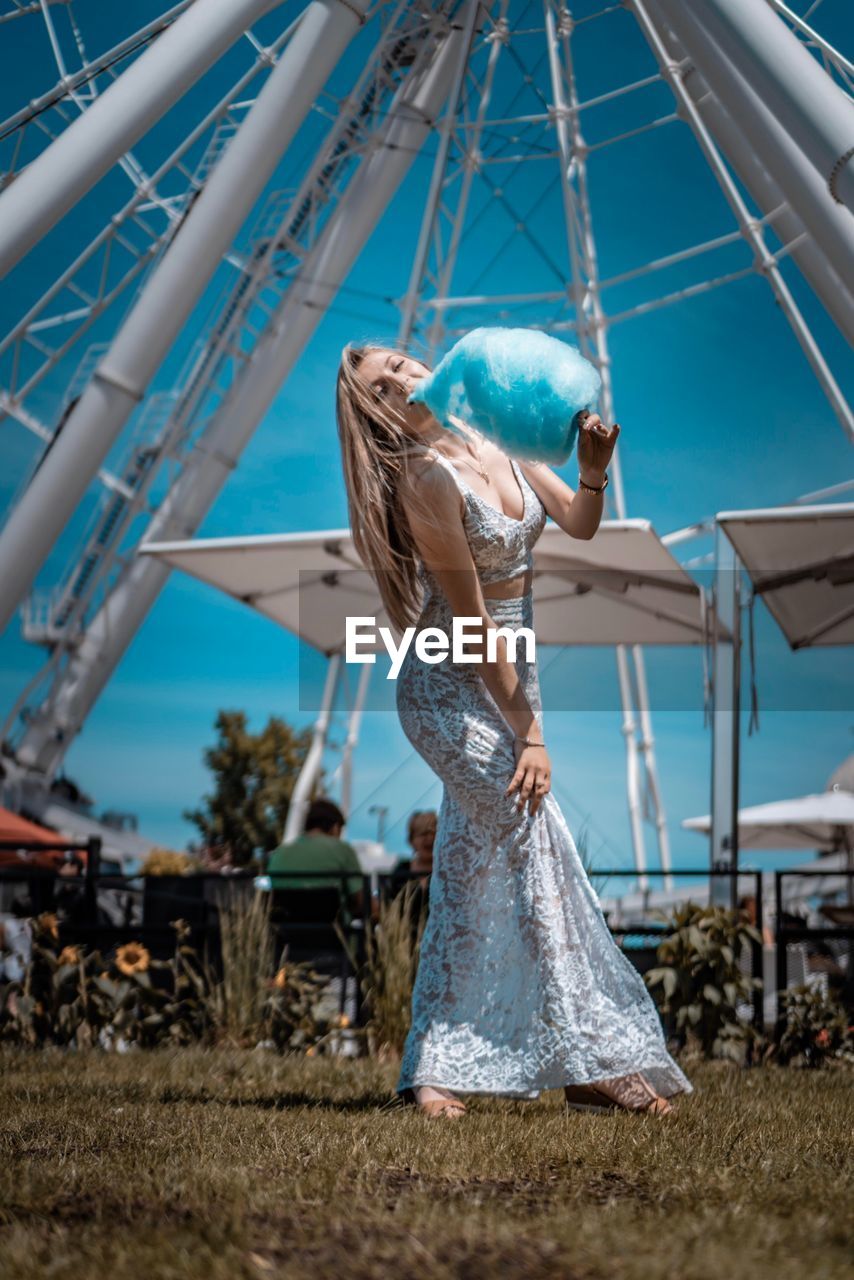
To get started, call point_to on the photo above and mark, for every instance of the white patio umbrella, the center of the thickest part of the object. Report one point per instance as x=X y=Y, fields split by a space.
x=801 y=561
x=823 y=822
x=623 y=587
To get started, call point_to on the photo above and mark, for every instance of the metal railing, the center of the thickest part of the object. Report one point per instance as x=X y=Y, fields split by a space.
x=154 y=893
x=787 y=932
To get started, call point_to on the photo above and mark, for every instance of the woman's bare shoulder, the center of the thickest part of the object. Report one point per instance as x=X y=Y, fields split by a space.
x=424 y=477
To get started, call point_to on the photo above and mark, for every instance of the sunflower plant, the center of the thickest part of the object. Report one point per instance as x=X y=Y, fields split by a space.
x=158 y=1001
x=57 y=1000
x=70 y=997
x=73 y=998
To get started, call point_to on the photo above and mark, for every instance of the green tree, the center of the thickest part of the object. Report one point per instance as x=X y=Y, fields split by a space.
x=254 y=776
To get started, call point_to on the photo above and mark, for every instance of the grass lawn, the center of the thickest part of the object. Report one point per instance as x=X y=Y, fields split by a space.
x=185 y=1163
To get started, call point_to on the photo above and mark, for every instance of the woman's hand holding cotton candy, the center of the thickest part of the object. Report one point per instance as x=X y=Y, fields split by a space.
x=518 y=387
x=595 y=448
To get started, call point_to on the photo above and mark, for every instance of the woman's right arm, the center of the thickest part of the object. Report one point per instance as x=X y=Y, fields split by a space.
x=445 y=552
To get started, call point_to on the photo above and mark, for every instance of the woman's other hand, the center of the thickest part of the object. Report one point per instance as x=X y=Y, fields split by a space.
x=595 y=447
x=533 y=776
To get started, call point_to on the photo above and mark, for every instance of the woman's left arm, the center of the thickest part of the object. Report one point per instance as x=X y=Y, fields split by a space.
x=577 y=513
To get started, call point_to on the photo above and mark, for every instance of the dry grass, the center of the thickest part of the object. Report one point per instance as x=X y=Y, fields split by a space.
x=185 y=1163
x=246 y=942
x=392 y=950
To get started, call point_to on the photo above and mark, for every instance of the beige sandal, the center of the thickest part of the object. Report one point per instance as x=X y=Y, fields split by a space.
x=624 y=1093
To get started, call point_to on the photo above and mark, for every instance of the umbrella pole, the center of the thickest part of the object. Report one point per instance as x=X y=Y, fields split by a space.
x=310 y=770
x=725 y=724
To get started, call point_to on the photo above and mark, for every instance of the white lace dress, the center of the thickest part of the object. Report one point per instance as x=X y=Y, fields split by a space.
x=520 y=984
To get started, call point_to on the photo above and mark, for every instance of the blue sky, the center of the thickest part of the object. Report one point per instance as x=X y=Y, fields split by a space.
x=718 y=409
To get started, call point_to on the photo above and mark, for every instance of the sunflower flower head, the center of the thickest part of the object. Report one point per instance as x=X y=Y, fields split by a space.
x=132 y=958
x=48 y=923
x=69 y=955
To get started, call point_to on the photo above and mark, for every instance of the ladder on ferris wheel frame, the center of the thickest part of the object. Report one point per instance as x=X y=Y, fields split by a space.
x=380 y=170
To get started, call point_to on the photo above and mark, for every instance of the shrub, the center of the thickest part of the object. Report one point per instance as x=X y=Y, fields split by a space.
x=167 y=862
x=815 y=1030
x=290 y=1010
x=701 y=981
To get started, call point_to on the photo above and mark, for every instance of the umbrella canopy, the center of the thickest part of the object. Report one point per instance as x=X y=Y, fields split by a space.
x=824 y=821
x=14 y=827
x=801 y=561
x=623 y=587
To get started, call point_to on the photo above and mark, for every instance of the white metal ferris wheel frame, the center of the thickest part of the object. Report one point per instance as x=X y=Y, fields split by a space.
x=384 y=157
x=95 y=655
x=590 y=324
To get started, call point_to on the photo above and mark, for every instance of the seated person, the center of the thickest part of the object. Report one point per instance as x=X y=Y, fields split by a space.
x=421 y=834
x=320 y=848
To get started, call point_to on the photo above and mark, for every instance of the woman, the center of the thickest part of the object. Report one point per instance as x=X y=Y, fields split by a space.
x=421 y=834
x=520 y=985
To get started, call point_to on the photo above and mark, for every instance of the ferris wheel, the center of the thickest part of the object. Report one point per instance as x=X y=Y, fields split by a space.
x=233 y=159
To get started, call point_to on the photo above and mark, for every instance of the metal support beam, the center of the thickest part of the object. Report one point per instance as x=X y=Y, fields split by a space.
x=408 y=124
x=592 y=329
x=63 y=173
x=123 y=375
x=772 y=166
x=353 y=726
x=726 y=712
x=765 y=261
x=85 y=74
x=796 y=89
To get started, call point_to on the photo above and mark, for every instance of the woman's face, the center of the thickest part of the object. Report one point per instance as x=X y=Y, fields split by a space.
x=391 y=377
x=423 y=839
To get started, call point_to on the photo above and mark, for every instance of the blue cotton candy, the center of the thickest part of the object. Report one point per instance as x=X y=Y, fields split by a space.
x=518 y=387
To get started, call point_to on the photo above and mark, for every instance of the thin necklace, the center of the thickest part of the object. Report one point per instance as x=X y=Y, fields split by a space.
x=480 y=469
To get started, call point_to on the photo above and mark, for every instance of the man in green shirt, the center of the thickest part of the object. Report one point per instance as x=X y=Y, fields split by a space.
x=320 y=848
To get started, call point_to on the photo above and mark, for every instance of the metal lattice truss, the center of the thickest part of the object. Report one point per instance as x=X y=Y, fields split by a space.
x=494 y=85
x=293 y=262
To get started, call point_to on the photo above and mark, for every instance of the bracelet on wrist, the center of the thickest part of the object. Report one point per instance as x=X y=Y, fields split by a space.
x=589 y=488
x=529 y=742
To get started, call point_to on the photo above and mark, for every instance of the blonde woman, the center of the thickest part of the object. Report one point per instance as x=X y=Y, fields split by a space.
x=520 y=985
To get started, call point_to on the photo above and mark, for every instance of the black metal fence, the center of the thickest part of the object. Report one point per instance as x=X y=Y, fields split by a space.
x=142 y=908
x=790 y=930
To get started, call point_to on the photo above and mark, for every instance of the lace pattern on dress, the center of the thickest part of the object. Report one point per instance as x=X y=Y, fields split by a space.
x=520 y=985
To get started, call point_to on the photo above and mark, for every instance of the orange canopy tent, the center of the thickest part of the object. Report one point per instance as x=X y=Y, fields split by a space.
x=13 y=827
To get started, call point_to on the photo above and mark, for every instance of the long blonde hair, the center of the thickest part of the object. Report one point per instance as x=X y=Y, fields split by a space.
x=376 y=454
